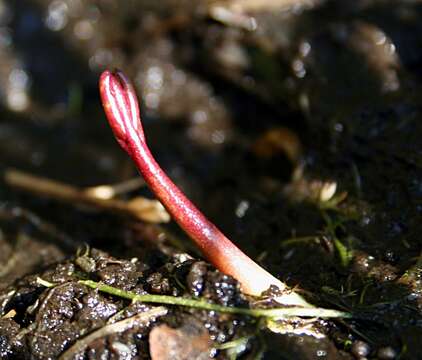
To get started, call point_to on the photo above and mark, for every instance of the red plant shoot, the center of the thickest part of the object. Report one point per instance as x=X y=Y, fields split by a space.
x=122 y=110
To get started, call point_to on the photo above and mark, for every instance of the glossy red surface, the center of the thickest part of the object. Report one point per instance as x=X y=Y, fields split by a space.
x=122 y=111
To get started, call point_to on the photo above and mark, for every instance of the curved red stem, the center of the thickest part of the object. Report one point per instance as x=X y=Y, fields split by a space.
x=122 y=111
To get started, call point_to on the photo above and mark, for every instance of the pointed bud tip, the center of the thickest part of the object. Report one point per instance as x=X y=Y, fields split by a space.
x=120 y=106
x=113 y=100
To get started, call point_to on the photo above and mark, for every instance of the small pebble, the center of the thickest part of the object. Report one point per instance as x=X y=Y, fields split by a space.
x=360 y=349
x=190 y=341
x=386 y=353
x=196 y=277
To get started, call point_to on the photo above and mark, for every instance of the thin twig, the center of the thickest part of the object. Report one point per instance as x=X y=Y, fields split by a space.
x=234 y=13
x=139 y=208
x=110 y=191
x=268 y=5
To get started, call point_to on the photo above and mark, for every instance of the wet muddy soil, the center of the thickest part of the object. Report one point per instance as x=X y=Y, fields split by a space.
x=294 y=125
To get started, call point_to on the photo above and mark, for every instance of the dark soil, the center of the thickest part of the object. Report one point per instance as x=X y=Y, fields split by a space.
x=300 y=139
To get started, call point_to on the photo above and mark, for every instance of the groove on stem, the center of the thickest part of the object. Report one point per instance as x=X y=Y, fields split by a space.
x=122 y=111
